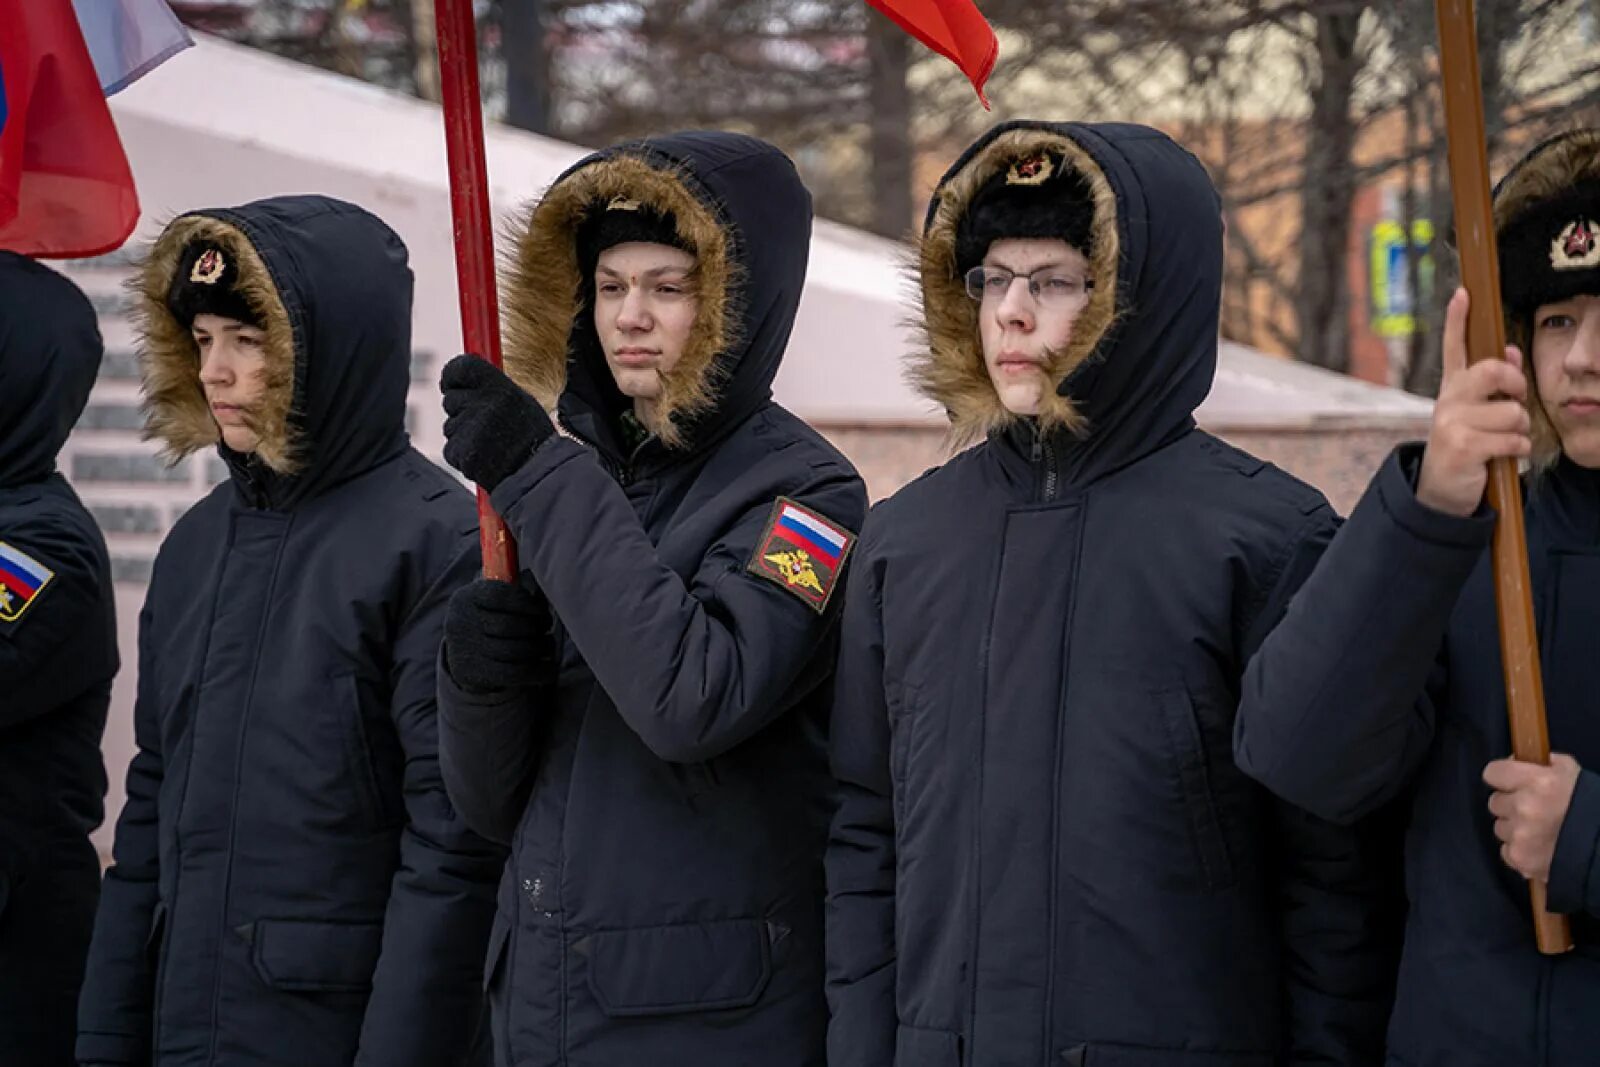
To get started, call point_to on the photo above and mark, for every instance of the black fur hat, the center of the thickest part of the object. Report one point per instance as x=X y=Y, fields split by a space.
x=206 y=284
x=1036 y=196
x=1551 y=251
x=623 y=221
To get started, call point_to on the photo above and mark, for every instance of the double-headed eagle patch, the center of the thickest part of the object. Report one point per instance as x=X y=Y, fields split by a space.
x=802 y=552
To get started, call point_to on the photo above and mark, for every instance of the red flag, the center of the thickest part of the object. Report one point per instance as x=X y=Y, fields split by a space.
x=956 y=29
x=65 y=186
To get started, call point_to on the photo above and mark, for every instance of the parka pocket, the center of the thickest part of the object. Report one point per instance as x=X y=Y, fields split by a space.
x=1186 y=745
x=359 y=759
x=301 y=955
x=916 y=1047
x=1102 y=1054
x=158 y=928
x=903 y=718
x=499 y=937
x=671 y=970
x=156 y=958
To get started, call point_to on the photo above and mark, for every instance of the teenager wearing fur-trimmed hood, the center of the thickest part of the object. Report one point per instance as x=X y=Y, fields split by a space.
x=1385 y=679
x=641 y=717
x=58 y=655
x=290 y=882
x=1044 y=854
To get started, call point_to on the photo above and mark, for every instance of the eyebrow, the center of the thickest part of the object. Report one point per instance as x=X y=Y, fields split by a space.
x=232 y=327
x=1048 y=264
x=654 y=272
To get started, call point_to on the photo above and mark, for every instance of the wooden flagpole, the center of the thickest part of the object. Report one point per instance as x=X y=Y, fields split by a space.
x=1480 y=273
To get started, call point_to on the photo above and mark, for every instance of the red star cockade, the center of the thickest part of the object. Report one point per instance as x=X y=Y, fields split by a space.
x=1580 y=242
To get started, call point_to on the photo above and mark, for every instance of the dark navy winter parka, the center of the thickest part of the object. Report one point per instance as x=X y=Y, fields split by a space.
x=666 y=801
x=1385 y=681
x=291 y=884
x=58 y=654
x=1044 y=853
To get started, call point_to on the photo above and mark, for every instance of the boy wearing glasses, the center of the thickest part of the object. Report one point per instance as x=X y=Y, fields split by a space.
x=1044 y=853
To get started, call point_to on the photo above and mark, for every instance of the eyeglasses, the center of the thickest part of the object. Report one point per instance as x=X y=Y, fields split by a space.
x=1050 y=287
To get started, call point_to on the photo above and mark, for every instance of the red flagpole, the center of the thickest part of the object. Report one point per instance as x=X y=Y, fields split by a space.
x=474 y=239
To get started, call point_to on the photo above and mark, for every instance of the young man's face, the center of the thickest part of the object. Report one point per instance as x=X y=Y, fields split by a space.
x=1566 y=365
x=1021 y=323
x=233 y=360
x=644 y=310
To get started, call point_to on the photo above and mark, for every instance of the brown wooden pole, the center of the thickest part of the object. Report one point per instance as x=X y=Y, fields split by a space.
x=1486 y=339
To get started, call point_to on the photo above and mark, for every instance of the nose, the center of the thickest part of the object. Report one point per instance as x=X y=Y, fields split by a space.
x=1016 y=306
x=634 y=315
x=216 y=367
x=1583 y=358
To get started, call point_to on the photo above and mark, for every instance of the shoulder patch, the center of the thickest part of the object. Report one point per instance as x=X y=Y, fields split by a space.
x=22 y=579
x=802 y=552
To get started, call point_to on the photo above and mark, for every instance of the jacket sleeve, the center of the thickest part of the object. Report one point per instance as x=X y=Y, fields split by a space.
x=40 y=668
x=693 y=666
x=1339 y=886
x=488 y=746
x=1575 y=871
x=115 y=1007
x=861 y=845
x=1341 y=898
x=426 y=1006
x=1335 y=714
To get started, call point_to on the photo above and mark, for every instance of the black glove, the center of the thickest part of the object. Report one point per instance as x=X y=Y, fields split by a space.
x=491 y=425
x=497 y=637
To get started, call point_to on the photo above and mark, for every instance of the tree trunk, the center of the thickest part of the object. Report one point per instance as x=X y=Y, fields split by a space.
x=425 y=50
x=1323 y=302
x=527 y=65
x=888 y=49
x=1422 y=377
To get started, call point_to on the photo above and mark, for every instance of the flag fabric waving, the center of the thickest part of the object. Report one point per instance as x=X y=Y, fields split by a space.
x=955 y=29
x=65 y=185
x=129 y=38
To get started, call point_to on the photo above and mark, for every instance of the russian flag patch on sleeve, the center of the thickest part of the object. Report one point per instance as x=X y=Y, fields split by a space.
x=802 y=552
x=22 y=579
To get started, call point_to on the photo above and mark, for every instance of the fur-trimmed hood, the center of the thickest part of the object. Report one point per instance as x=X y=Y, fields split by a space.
x=1144 y=349
x=1549 y=169
x=331 y=283
x=49 y=355
x=740 y=203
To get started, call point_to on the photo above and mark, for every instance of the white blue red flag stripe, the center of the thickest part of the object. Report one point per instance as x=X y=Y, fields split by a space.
x=22 y=579
x=129 y=38
x=825 y=542
x=22 y=573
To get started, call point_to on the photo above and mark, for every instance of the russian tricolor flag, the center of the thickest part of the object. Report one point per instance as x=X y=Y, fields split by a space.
x=65 y=185
x=804 y=530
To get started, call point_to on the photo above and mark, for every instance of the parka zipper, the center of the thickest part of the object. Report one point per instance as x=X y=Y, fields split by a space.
x=1044 y=456
x=622 y=471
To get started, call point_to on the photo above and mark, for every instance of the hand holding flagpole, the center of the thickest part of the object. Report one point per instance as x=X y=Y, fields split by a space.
x=1480 y=273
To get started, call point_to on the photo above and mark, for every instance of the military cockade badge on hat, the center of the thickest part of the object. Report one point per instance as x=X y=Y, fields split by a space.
x=1032 y=169
x=1577 y=246
x=208 y=267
